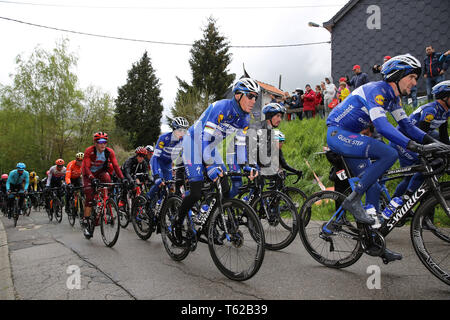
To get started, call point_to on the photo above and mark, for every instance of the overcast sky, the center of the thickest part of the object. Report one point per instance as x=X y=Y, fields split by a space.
x=104 y=62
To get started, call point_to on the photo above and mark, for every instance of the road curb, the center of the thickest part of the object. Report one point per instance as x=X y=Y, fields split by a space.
x=6 y=283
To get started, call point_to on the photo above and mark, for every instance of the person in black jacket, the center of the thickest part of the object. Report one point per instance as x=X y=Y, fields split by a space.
x=434 y=70
x=131 y=167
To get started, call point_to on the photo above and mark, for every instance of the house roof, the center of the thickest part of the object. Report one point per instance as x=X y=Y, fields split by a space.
x=270 y=88
x=332 y=22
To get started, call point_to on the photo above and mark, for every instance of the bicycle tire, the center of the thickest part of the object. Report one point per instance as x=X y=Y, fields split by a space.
x=124 y=214
x=16 y=215
x=427 y=235
x=168 y=214
x=110 y=223
x=57 y=210
x=280 y=228
x=297 y=196
x=27 y=211
x=72 y=212
x=249 y=235
x=142 y=224
x=317 y=210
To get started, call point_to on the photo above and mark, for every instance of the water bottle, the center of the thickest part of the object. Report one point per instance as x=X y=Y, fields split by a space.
x=372 y=212
x=246 y=198
x=391 y=207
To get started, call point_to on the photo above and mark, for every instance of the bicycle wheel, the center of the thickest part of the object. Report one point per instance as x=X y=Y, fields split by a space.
x=168 y=215
x=50 y=211
x=142 y=224
x=58 y=209
x=124 y=214
x=110 y=223
x=27 y=206
x=238 y=249
x=296 y=195
x=72 y=211
x=278 y=217
x=430 y=235
x=16 y=215
x=332 y=240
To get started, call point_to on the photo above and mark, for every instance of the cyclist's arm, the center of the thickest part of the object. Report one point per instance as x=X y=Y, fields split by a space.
x=126 y=169
x=27 y=180
x=68 y=173
x=213 y=118
x=284 y=164
x=86 y=166
x=116 y=167
x=49 y=177
x=443 y=133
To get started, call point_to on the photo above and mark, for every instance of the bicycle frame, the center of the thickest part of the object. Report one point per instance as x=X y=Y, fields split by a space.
x=431 y=184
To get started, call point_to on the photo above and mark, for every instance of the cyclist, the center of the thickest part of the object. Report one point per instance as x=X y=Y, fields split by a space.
x=34 y=182
x=96 y=161
x=149 y=155
x=55 y=179
x=200 y=154
x=3 y=198
x=73 y=177
x=18 y=181
x=168 y=148
x=261 y=135
x=430 y=118
x=369 y=104
x=133 y=165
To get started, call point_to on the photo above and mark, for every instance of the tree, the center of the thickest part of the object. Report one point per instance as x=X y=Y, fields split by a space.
x=139 y=104
x=45 y=96
x=45 y=116
x=209 y=61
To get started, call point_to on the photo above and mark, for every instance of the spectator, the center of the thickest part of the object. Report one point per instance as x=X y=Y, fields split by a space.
x=433 y=69
x=328 y=95
x=359 y=78
x=344 y=92
x=299 y=103
x=309 y=100
x=444 y=58
x=319 y=102
x=377 y=68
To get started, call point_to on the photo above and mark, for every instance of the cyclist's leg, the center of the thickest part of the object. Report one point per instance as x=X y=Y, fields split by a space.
x=355 y=145
x=358 y=167
x=236 y=182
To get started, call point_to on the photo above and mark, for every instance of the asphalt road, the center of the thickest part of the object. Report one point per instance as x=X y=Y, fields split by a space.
x=45 y=257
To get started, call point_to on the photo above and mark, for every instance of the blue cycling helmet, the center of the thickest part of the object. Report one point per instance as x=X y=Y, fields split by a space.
x=21 y=166
x=399 y=67
x=180 y=123
x=441 y=90
x=279 y=136
x=246 y=85
x=272 y=109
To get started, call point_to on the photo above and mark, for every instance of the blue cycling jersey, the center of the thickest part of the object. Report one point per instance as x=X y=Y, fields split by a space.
x=433 y=113
x=168 y=148
x=221 y=119
x=368 y=104
x=16 y=179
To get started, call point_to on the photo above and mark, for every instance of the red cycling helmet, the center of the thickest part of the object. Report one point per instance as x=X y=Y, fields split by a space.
x=100 y=136
x=59 y=162
x=141 y=151
x=4 y=176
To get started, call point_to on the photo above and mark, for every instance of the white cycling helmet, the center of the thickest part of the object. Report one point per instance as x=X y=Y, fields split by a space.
x=246 y=85
x=180 y=123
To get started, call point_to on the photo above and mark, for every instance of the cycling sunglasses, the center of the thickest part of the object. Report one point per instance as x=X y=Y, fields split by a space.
x=251 y=96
